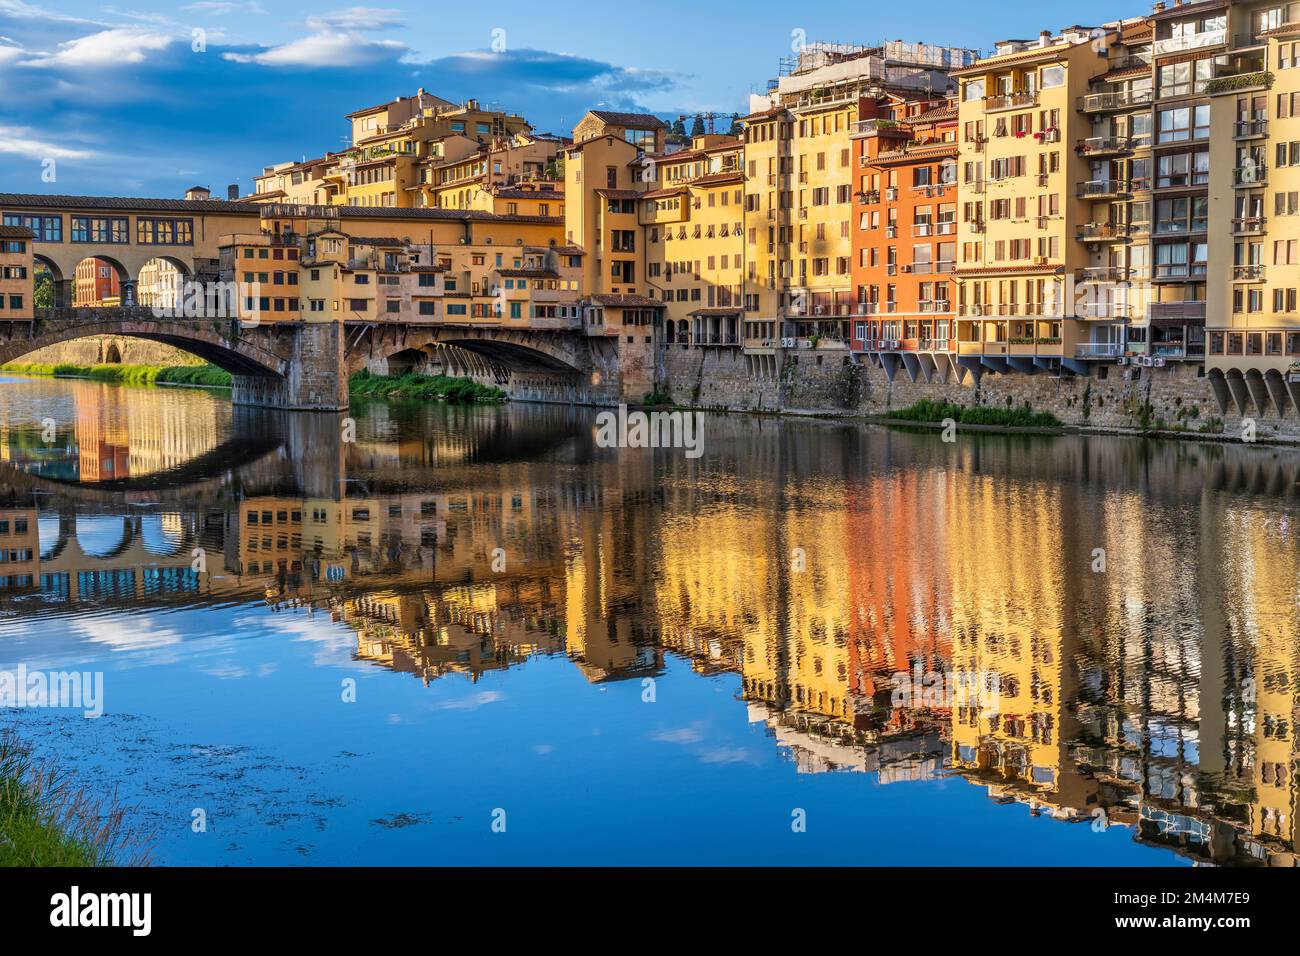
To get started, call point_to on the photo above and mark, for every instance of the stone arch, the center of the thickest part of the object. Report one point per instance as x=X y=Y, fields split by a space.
x=239 y=355
x=112 y=354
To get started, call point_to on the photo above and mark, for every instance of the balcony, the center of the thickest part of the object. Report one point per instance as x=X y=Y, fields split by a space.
x=1191 y=41
x=1248 y=226
x=1250 y=129
x=1099 y=350
x=1189 y=311
x=1104 y=274
x=1110 y=102
x=1249 y=273
x=1105 y=232
x=1105 y=189
x=1250 y=174
x=1098 y=146
x=870 y=196
x=1011 y=101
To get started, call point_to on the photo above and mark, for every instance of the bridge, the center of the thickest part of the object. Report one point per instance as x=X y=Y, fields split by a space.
x=301 y=364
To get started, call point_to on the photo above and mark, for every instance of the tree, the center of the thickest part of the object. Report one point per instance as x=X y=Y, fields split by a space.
x=679 y=127
x=43 y=291
x=697 y=128
x=735 y=125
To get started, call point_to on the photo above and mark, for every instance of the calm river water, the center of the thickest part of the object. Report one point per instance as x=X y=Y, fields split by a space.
x=473 y=636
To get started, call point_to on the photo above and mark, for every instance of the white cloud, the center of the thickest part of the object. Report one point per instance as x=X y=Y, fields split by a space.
x=116 y=47
x=21 y=141
x=325 y=49
x=358 y=18
x=221 y=8
x=9 y=51
x=26 y=11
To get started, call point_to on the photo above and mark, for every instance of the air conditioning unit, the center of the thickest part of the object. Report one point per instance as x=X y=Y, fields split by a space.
x=1040 y=260
x=895 y=344
x=1160 y=362
x=819 y=310
x=905 y=269
x=766 y=343
x=1122 y=360
x=1147 y=361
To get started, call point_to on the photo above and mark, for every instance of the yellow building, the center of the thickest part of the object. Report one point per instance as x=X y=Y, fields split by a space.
x=1252 y=316
x=693 y=228
x=1027 y=198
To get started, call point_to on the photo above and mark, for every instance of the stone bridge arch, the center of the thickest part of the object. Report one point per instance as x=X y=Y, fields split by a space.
x=249 y=352
x=562 y=353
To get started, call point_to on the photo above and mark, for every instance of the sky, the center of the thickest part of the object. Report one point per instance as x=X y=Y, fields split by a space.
x=147 y=98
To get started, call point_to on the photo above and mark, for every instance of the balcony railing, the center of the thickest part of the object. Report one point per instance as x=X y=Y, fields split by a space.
x=1103 y=188
x=1105 y=232
x=1107 y=145
x=1191 y=41
x=1248 y=226
x=1119 y=100
x=1105 y=274
x=1251 y=174
x=1189 y=311
x=1248 y=273
x=1099 y=350
x=1011 y=101
x=1250 y=129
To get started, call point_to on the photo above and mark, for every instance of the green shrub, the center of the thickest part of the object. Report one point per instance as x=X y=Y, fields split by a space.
x=429 y=388
x=928 y=410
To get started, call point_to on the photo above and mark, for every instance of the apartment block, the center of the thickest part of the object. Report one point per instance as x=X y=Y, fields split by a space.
x=905 y=234
x=801 y=178
x=1252 y=326
x=1025 y=220
x=693 y=226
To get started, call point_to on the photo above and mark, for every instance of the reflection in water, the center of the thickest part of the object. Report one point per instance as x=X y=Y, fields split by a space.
x=812 y=561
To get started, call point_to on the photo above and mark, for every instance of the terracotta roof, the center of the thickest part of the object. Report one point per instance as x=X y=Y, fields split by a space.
x=1180 y=9
x=16 y=232
x=713 y=179
x=619 y=193
x=1023 y=56
x=719 y=310
x=769 y=113
x=36 y=200
x=663 y=193
x=937 y=115
x=630 y=301
x=937 y=151
x=630 y=120
x=1007 y=269
x=571 y=250
x=1123 y=74
x=528 y=273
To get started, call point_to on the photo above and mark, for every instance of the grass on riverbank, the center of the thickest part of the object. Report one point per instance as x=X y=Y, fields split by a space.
x=208 y=375
x=1023 y=416
x=432 y=388
x=46 y=819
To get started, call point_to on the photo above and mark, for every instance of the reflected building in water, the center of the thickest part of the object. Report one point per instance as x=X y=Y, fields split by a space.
x=1143 y=637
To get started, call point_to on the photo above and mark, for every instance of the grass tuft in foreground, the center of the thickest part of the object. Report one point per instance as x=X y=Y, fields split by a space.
x=208 y=375
x=433 y=388
x=47 y=819
x=928 y=410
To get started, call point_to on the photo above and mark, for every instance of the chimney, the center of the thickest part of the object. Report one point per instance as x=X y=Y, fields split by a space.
x=1045 y=38
x=232 y=192
x=1159 y=7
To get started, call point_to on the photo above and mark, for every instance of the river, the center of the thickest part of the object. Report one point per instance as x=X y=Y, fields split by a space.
x=471 y=635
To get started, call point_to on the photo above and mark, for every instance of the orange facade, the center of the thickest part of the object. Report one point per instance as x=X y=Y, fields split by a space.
x=905 y=237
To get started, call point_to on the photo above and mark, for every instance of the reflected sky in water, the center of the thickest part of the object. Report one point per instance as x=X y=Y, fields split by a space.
x=642 y=658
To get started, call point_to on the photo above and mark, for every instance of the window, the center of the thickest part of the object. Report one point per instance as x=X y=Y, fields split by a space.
x=45 y=228
x=165 y=232
x=94 y=229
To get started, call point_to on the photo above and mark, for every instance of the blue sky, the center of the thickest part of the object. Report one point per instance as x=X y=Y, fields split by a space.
x=123 y=102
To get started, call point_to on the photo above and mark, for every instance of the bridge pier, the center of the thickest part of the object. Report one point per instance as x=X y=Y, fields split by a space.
x=315 y=378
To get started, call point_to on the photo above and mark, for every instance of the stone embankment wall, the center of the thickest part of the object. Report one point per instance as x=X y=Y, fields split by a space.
x=1176 y=397
x=111 y=350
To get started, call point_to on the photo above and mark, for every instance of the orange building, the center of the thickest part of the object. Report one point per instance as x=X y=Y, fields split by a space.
x=16 y=279
x=905 y=240
x=97 y=284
